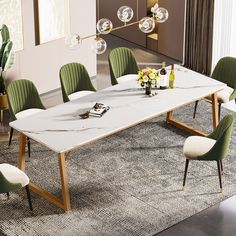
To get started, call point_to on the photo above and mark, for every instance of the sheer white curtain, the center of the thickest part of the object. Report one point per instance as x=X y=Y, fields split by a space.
x=224 y=38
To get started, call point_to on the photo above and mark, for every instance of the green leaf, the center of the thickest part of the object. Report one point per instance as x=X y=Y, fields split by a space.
x=6 y=54
x=5 y=33
x=10 y=61
x=2 y=51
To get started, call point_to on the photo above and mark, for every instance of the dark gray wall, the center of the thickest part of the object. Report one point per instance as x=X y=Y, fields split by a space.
x=108 y=9
x=171 y=33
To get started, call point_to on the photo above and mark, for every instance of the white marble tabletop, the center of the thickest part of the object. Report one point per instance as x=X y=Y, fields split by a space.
x=61 y=129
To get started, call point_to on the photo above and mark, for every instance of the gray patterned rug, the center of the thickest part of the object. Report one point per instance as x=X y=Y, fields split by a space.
x=126 y=184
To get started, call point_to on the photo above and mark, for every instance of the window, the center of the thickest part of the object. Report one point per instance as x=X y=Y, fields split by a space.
x=224 y=30
x=51 y=19
x=11 y=16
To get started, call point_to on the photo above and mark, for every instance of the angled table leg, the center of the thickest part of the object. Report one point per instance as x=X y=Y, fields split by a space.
x=64 y=181
x=215 y=116
x=21 y=163
x=65 y=202
x=171 y=120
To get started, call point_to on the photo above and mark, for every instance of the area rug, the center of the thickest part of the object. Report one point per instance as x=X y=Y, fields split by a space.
x=127 y=184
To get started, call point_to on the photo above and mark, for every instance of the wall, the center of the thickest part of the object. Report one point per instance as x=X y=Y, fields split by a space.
x=41 y=63
x=171 y=33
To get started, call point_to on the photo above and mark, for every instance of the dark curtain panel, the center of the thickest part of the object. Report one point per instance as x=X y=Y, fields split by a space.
x=199 y=35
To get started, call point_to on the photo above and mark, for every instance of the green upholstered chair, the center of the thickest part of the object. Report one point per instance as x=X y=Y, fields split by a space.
x=24 y=100
x=214 y=147
x=75 y=82
x=225 y=71
x=121 y=62
x=12 y=179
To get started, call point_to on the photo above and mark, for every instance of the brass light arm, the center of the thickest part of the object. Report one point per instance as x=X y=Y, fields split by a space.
x=114 y=29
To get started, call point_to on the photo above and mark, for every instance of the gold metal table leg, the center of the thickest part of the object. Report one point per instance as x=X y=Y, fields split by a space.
x=65 y=202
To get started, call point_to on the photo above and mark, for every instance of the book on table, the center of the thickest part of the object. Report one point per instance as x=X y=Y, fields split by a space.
x=99 y=110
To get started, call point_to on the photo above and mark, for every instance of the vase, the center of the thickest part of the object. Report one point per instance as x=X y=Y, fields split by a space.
x=3 y=102
x=148 y=90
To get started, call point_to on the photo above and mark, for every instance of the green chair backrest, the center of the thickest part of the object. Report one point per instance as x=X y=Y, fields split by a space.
x=74 y=78
x=121 y=62
x=22 y=95
x=222 y=135
x=225 y=71
x=6 y=186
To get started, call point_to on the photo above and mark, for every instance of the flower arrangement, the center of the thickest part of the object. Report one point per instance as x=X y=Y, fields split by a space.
x=148 y=77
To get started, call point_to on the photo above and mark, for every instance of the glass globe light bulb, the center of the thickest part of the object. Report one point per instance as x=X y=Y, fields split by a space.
x=99 y=46
x=104 y=26
x=155 y=8
x=147 y=24
x=161 y=15
x=125 y=14
x=72 y=41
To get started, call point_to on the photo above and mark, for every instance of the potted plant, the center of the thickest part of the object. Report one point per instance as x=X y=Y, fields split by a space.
x=6 y=62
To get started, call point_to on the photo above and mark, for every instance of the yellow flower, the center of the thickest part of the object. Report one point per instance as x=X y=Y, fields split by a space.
x=140 y=73
x=154 y=71
x=145 y=78
x=152 y=76
x=153 y=81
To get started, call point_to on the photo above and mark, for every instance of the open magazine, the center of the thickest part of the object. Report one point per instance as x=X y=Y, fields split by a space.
x=99 y=110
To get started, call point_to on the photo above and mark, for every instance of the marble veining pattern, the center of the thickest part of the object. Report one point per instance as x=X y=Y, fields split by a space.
x=61 y=129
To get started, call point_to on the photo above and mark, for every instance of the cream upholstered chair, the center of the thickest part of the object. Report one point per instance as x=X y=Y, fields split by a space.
x=24 y=101
x=75 y=82
x=122 y=62
x=225 y=71
x=11 y=179
x=214 y=147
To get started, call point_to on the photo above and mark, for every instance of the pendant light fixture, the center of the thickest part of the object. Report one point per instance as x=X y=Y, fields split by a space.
x=125 y=14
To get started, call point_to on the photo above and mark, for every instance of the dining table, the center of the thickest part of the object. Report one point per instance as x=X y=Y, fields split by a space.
x=62 y=130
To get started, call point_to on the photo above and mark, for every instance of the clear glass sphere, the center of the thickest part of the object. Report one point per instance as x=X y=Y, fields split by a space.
x=99 y=46
x=161 y=15
x=72 y=42
x=104 y=26
x=147 y=24
x=125 y=14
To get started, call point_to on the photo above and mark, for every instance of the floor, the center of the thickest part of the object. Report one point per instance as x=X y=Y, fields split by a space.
x=217 y=220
